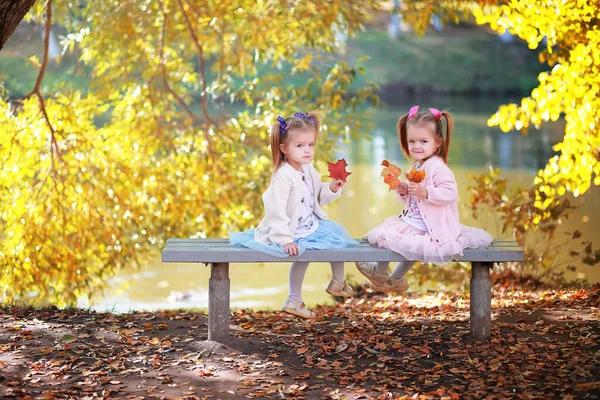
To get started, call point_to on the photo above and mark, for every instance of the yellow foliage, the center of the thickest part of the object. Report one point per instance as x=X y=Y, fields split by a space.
x=91 y=182
x=571 y=88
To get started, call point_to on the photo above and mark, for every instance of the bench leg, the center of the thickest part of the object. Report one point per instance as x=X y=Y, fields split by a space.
x=481 y=300
x=218 y=302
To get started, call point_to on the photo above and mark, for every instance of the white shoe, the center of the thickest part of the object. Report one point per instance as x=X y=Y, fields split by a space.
x=369 y=269
x=392 y=285
x=336 y=288
x=298 y=309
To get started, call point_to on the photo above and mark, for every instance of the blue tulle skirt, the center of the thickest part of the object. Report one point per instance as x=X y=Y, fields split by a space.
x=329 y=235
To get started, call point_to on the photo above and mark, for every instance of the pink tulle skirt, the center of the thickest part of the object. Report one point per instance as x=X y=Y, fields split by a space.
x=417 y=245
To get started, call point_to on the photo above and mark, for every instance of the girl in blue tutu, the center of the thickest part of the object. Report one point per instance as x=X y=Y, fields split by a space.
x=294 y=220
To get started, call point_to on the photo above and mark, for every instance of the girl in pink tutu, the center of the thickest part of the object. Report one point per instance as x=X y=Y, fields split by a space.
x=428 y=230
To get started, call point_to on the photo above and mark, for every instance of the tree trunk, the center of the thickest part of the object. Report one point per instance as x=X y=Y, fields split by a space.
x=11 y=14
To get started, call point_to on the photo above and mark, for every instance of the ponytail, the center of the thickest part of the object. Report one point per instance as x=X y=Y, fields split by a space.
x=402 y=135
x=277 y=155
x=445 y=147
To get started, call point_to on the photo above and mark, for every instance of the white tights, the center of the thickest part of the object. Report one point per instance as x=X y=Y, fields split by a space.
x=298 y=270
x=398 y=272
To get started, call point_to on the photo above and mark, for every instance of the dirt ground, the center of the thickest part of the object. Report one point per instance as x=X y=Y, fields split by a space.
x=544 y=345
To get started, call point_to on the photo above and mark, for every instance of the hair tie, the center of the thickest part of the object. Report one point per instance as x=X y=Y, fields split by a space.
x=412 y=112
x=436 y=113
x=302 y=115
x=283 y=127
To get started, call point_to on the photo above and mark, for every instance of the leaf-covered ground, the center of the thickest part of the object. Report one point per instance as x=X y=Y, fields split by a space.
x=544 y=345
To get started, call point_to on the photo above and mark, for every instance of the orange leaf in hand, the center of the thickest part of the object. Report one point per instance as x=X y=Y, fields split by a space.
x=391 y=170
x=337 y=170
x=391 y=174
x=415 y=176
x=392 y=181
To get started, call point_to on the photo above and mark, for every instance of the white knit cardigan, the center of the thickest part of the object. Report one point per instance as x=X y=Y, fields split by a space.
x=282 y=201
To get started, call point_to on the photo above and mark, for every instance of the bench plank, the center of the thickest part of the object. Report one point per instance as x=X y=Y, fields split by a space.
x=220 y=251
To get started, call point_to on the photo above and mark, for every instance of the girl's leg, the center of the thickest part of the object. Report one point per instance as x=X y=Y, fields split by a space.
x=337 y=286
x=297 y=272
x=337 y=271
x=377 y=272
x=401 y=269
x=382 y=268
x=294 y=304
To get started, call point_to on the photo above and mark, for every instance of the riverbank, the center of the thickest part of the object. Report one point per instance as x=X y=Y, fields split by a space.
x=466 y=60
x=544 y=344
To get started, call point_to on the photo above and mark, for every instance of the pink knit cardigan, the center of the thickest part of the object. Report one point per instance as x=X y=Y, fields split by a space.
x=439 y=210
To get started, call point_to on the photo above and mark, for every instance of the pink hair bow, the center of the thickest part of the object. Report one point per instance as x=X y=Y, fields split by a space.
x=415 y=109
x=436 y=113
x=412 y=112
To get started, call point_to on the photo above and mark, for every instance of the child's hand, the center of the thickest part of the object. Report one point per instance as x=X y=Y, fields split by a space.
x=402 y=189
x=292 y=249
x=336 y=184
x=417 y=190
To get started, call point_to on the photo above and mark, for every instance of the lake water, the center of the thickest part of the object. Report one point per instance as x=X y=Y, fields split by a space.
x=366 y=202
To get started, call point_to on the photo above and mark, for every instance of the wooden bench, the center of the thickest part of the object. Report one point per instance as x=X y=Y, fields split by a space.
x=219 y=253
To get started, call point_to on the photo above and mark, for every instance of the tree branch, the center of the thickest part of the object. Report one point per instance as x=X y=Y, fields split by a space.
x=200 y=68
x=54 y=149
x=165 y=79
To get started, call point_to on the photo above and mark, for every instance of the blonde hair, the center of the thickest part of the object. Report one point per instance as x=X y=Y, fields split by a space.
x=280 y=133
x=422 y=118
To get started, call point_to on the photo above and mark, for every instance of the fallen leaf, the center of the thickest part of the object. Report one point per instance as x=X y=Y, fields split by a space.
x=67 y=339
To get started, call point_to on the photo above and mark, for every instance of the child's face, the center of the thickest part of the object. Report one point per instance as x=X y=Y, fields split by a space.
x=300 y=148
x=422 y=141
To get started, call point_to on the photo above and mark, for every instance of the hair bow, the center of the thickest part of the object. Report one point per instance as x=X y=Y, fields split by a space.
x=436 y=113
x=302 y=115
x=415 y=109
x=412 y=112
x=283 y=127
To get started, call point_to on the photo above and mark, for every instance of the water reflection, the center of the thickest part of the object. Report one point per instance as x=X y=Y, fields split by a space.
x=367 y=202
x=473 y=143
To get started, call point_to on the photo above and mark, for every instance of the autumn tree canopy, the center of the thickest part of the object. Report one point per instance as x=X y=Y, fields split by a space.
x=568 y=35
x=96 y=179
x=92 y=181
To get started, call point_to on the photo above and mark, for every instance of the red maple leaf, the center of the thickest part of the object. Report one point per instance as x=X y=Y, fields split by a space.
x=337 y=170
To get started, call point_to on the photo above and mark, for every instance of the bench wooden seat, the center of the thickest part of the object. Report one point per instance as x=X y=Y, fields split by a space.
x=219 y=253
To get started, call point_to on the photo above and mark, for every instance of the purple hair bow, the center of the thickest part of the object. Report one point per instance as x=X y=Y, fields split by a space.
x=302 y=115
x=283 y=127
